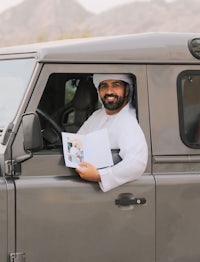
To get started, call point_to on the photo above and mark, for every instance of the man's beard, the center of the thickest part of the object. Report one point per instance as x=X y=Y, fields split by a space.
x=113 y=105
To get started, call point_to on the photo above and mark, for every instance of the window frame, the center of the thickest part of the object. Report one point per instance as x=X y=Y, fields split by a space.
x=51 y=161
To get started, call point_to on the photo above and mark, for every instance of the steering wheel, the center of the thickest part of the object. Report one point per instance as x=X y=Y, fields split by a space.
x=49 y=136
x=50 y=120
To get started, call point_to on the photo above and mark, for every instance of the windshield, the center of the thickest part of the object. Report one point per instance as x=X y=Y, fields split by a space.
x=14 y=77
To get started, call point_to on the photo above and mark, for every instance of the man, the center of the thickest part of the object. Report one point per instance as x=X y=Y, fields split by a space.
x=119 y=117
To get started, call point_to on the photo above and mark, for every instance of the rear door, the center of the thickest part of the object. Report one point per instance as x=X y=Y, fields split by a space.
x=60 y=217
x=174 y=111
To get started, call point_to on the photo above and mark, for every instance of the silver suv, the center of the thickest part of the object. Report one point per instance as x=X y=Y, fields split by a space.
x=47 y=213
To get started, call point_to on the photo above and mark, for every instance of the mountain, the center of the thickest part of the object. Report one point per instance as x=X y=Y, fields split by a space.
x=36 y=20
x=150 y=16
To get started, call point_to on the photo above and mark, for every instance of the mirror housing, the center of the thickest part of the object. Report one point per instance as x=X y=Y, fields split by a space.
x=33 y=140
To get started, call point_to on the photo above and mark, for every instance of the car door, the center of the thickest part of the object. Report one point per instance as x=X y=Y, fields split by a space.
x=60 y=217
x=174 y=106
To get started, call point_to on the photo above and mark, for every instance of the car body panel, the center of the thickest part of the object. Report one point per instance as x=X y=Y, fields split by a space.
x=68 y=218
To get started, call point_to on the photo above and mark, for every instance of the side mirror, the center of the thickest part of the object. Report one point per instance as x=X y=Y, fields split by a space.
x=33 y=140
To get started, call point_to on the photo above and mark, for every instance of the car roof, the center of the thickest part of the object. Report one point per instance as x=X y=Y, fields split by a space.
x=137 y=48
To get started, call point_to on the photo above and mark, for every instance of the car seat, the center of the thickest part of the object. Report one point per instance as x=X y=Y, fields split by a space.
x=84 y=102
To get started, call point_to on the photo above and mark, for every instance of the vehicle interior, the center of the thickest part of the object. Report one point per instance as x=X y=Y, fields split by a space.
x=68 y=100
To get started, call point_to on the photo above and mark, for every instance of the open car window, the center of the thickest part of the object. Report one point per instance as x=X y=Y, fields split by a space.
x=67 y=102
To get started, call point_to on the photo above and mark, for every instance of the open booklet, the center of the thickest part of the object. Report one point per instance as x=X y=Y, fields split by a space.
x=93 y=148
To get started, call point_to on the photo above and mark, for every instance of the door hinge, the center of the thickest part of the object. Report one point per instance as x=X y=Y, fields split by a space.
x=9 y=167
x=12 y=168
x=17 y=257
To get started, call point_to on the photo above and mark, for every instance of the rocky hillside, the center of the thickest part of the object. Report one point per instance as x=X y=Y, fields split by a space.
x=36 y=20
x=153 y=16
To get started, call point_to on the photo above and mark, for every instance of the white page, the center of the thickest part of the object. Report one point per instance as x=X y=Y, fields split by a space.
x=97 y=149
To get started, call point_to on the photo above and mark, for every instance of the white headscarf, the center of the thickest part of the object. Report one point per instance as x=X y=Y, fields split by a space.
x=98 y=78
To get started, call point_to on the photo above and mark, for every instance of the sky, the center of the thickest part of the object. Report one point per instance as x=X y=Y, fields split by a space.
x=98 y=6
x=4 y=4
x=95 y=6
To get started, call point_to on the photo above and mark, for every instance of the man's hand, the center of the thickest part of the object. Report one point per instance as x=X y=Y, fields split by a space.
x=88 y=172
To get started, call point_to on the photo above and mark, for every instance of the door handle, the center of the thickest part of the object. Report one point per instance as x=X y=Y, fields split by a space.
x=127 y=199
